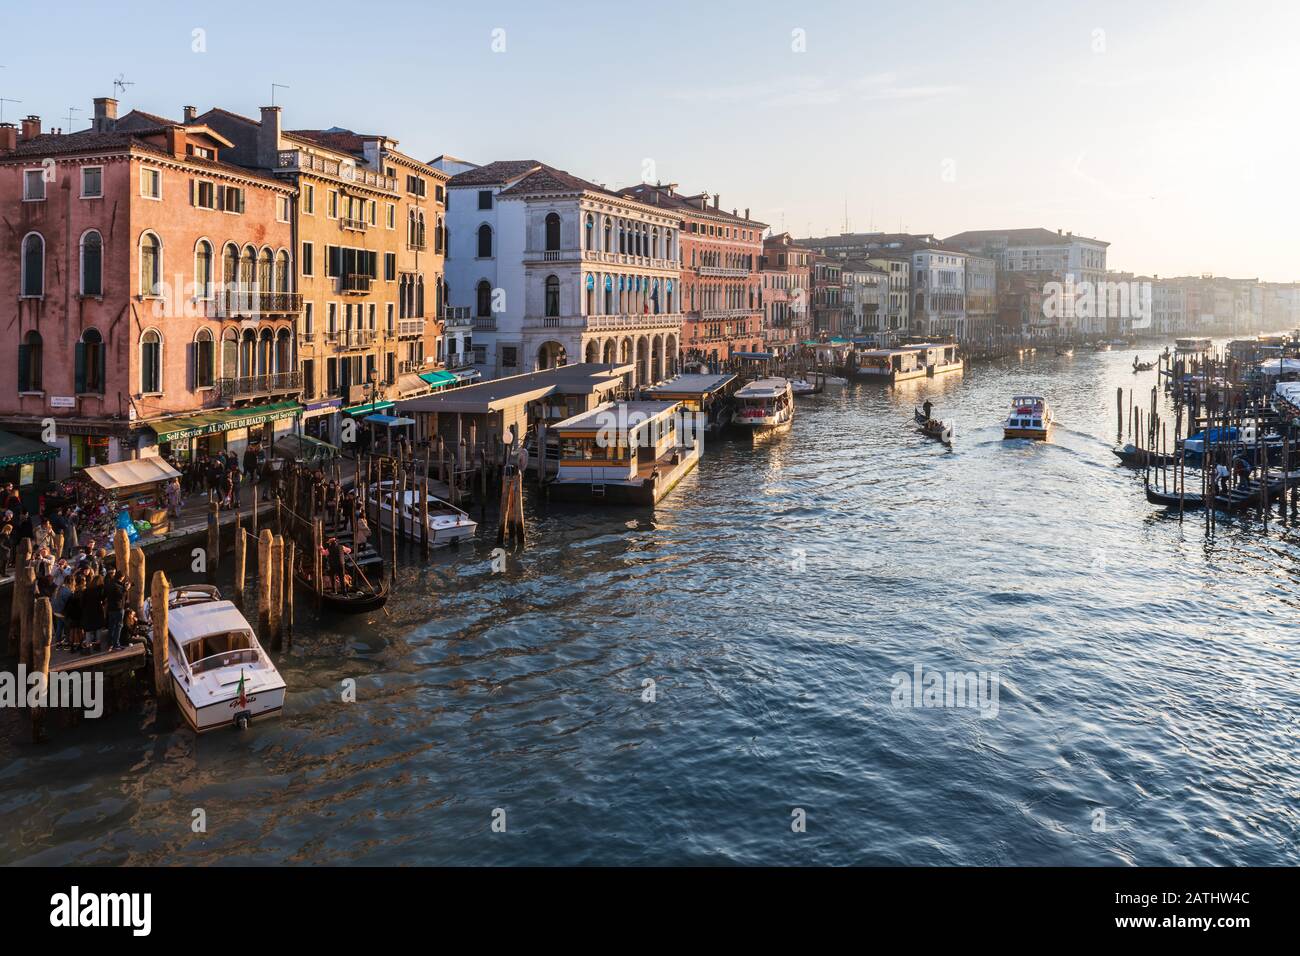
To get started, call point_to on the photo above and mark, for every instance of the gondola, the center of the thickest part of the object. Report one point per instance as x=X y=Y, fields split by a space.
x=1168 y=500
x=1141 y=457
x=360 y=599
x=1065 y=350
x=1142 y=366
x=933 y=428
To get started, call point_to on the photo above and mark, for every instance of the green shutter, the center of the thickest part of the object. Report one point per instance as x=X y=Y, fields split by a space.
x=81 y=368
x=101 y=352
x=24 y=367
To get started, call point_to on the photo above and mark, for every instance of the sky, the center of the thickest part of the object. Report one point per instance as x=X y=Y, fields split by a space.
x=1167 y=129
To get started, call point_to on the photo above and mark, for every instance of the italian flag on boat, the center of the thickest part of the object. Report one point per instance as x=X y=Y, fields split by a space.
x=242 y=699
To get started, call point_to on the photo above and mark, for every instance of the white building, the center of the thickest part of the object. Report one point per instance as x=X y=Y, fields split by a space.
x=938 y=292
x=556 y=269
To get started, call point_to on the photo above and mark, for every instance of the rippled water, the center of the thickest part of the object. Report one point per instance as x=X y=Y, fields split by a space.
x=1144 y=672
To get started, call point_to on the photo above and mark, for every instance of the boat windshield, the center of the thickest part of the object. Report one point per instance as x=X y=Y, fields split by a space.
x=220 y=650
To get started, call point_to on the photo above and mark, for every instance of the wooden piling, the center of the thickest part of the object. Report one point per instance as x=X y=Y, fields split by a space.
x=264 y=584
x=25 y=593
x=162 y=684
x=287 y=578
x=122 y=551
x=214 y=540
x=43 y=635
x=241 y=558
x=277 y=590
x=136 y=592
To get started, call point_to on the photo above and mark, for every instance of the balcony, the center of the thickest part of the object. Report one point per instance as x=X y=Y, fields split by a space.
x=355 y=283
x=625 y=260
x=355 y=225
x=301 y=161
x=722 y=271
x=251 y=386
x=251 y=303
x=552 y=255
x=485 y=323
x=349 y=339
x=604 y=323
x=457 y=317
x=410 y=328
x=724 y=315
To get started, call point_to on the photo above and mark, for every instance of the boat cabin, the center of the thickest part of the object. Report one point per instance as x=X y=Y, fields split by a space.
x=892 y=365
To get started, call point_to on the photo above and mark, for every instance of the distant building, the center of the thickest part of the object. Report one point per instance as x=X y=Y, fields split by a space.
x=785 y=294
x=827 y=297
x=865 y=300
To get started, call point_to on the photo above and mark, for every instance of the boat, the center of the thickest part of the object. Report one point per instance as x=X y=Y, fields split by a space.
x=1142 y=366
x=363 y=593
x=1030 y=417
x=446 y=522
x=764 y=407
x=801 y=386
x=221 y=674
x=932 y=427
x=1169 y=500
x=1101 y=347
x=1065 y=350
x=1243 y=498
x=908 y=362
x=1136 y=457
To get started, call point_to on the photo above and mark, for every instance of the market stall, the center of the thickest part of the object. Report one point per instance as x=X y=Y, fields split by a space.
x=124 y=494
x=305 y=450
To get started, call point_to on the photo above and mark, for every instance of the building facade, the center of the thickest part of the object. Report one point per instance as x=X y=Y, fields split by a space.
x=785 y=294
x=151 y=280
x=827 y=297
x=556 y=269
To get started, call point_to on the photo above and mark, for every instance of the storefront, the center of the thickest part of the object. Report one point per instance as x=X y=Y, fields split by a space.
x=27 y=464
x=320 y=418
x=196 y=436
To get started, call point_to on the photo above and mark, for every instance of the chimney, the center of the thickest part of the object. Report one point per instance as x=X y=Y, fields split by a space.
x=715 y=200
x=191 y=113
x=175 y=137
x=268 y=138
x=31 y=128
x=8 y=137
x=105 y=114
x=746 y=212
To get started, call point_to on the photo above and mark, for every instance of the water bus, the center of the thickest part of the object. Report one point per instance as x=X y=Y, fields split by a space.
x=1030 y=417
x=764 y=407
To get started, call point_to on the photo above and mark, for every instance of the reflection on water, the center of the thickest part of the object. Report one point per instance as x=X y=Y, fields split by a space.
x=1146 y=713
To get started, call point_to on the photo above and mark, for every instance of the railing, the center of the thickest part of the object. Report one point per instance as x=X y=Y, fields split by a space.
x=356 y=225
x=551 y=255
x=409 y=365
x=259 y=384
x=722 y=315
x=600 y=323
x=307 y=338
x=251 y=302
x=348 y=172
x=407 y=328
x=351 y=338
x=417 y=244
x=485 y=323
x=356 y=283
x=457 y=317
x=721 y=271
x=627 y=259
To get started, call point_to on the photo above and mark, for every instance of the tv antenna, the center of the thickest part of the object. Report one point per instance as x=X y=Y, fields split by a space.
x=3 y=101
x=71 y=110
x=121 y=83
x=274 y=87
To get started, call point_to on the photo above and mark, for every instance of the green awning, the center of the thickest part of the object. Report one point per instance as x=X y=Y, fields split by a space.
x=368 y=408
x=210 y=423
x=439 y=377
x=17 y=450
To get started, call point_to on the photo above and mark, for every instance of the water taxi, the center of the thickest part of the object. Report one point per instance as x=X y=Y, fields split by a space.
x=907 y=362
x=764 y=407
x=1030 y=418
x=447 y=523
x=221 y=674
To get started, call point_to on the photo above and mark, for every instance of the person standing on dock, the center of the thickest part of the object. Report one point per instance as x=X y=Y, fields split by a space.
x=174 y=497
x=92 y=613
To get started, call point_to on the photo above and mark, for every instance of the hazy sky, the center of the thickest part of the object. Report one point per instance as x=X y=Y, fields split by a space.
x=1168 y=129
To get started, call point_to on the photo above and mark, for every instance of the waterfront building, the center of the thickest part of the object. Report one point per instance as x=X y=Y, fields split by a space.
x=153 y=285
x=785 y=294
x=721 y=283
x=556 y=269
x=865 y=300
x=827 y=297
x=981 y=278
x=370 y=227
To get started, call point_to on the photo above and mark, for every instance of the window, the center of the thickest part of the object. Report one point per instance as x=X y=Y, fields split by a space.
x=204 y=359
x=203 y=270
x=150 y=265
x=282 y=209
x=333 y=261
x=150 y=362
x=390 y=266
x=92 y=182
x=90 y=363
x=552 y=296
x=30 y=363
x=33 y=185
x=415 y=186
x=308 y=319
x=333 y=210
x=509 y=356
x=230 y=199
x=483 y=298
x=485 y=241
x=92 y=264
x=308 y=269
x=151 y=183
x=33 y=265
x=390 y=318
x=204 y=194
x=309 y=199
x=552 y=232
x=485 y=199
x=391 y=217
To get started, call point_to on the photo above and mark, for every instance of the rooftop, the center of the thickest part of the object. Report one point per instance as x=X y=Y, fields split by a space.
x=620 y=416
x=582 y=378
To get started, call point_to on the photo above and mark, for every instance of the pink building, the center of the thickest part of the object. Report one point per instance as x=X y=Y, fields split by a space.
x=149 y=288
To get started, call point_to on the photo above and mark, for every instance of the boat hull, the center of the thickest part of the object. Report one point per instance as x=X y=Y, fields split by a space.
x=214 y=715
x=1036 y=434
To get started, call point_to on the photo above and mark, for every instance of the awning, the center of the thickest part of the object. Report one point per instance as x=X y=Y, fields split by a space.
x=130 y=474
x=210 y=423
x=388 y=421
x=368 y=408
x=17 y=450
x=409 y=384
x=305 y=448
x=439 y=378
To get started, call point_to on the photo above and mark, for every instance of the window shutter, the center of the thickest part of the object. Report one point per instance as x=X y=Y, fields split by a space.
x=24 y=363
x=81 y=368
x=193 y=187
x=99 y=369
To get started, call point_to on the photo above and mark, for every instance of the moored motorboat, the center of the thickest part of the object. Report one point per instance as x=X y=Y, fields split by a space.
x=1136 y=457
x=446 y=522
x=1030 y=417
x=801 y=386
x=221 y=674
x=764 y=407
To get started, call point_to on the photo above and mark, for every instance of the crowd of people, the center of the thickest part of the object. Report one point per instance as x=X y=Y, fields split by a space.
x=222 y=477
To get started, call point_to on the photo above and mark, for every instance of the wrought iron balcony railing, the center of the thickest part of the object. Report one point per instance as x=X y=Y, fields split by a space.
x=249 y=385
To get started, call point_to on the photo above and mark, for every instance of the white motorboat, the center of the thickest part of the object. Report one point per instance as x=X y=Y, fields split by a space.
x=1030 y=417
x=221 y=675
x=765 y=406
x=801 y=386
x=447 y=523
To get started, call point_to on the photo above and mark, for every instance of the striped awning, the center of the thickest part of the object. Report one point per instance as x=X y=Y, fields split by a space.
x=368 y=408
x=439 y=378
x=210 y=423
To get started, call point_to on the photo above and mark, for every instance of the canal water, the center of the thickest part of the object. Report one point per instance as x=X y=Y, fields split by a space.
x=723 y=681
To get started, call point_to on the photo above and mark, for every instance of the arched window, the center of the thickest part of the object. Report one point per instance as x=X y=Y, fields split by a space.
x=265 y=271
x=204 y=359
x=609 y=235
x=150 y=362
x=33 y=264
x=552 y=296
x=589 y=233
x=92 y=263
x=90 y=363
x=282 y=271
x=552 y=232
x=485 y=241
x=591 y=294
x=247 y=348
x=230 y=266
x=150 y=264
x=437 y=236
x=30 y=363
x=264 y=343
x=229 y=354
x=203 y=269
x=419 y=297
x=248 y=268
x=483 y=297
x=283 y=351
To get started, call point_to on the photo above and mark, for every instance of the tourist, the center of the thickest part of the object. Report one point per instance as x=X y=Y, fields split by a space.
x=1221 y=477
x=92 y=613
x=62 y=592
x=174 y=499
x=361 y=532
x=114 y=606
x=72 y=632
x=7 y=544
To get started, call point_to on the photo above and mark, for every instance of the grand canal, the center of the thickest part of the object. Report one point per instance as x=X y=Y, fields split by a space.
x=1146 y=712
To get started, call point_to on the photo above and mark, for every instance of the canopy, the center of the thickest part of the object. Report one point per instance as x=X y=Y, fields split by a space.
x=118 y=475
x=209 y=423
x=305 y=448
x=17 y=450
x=368 y=408
x=388 y=421
x=1279 y=365
x=439 y=378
